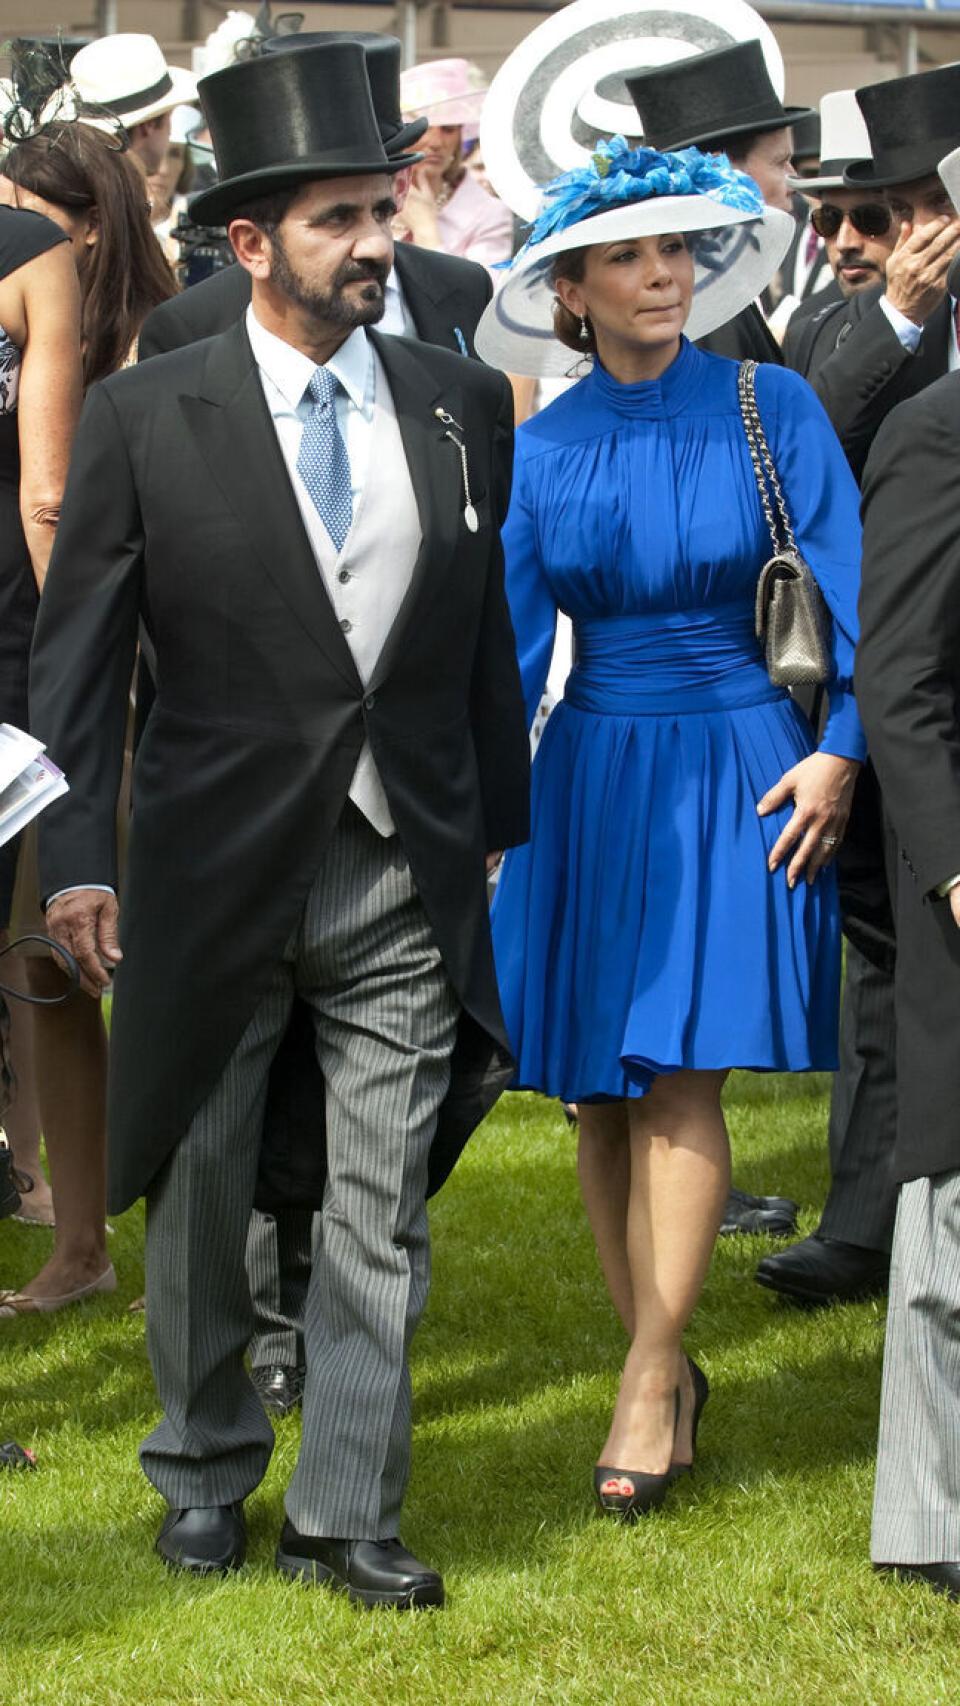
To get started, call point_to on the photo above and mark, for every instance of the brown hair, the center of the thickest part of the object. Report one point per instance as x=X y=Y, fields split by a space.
x=571 y=264
x=123 y=275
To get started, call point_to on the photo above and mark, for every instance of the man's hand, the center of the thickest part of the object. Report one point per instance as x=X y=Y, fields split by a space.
x=85 y=922
x=917 y=268
x=954 y=899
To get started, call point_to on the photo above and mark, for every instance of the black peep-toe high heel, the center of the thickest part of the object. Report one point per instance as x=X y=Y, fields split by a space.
x=649 y=1491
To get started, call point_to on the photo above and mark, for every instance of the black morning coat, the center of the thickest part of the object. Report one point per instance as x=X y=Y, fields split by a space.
x=179 y=511
x=908 y=690
x=859 y=368
x=445 y=297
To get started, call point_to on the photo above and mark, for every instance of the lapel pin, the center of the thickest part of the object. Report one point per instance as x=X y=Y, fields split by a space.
x=469 y=513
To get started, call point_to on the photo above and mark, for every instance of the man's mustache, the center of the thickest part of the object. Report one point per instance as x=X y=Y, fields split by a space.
x=354 y=272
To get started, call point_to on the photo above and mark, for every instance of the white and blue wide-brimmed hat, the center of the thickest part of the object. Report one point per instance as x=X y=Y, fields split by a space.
x=738 y=244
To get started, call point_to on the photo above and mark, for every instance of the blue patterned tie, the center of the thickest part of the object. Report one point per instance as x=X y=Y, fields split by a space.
x=323 y=464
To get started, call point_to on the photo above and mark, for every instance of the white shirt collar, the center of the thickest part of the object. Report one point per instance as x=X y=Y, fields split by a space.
x=290 y=370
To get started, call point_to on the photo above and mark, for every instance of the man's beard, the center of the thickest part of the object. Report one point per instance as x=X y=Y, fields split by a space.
x=332 y=306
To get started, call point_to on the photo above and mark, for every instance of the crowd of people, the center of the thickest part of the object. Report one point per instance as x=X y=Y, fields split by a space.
x=290 y=589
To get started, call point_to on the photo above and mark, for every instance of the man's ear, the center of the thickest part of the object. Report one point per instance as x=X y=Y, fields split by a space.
x=251 y=246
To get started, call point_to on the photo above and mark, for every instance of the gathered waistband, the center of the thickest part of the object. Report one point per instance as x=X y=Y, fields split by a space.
x=669 y=661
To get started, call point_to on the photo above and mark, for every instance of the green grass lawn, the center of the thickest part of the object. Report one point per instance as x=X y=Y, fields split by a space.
x=752 y=1585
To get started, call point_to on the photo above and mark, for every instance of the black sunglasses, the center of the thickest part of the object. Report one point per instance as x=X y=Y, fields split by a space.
x=871 y=219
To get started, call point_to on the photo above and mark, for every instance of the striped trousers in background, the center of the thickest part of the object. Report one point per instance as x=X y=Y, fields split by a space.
x=916 y=1508
x=385 y=1019
x=279 y=1259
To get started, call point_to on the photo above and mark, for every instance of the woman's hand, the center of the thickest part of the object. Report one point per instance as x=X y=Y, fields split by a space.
x=821 y=788
x=420 y=212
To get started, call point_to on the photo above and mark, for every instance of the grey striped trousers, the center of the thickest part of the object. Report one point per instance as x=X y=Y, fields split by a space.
x=385 y=1020
x=916 y=1507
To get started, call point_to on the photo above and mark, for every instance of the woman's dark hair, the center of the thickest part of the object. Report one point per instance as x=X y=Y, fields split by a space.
x=123 y=275
x=571 y=264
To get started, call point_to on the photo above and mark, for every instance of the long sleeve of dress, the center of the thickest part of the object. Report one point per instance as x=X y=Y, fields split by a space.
x=533 y=608
x=823 y=501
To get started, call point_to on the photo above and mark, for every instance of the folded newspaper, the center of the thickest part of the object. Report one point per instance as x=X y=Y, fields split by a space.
x=28 y=780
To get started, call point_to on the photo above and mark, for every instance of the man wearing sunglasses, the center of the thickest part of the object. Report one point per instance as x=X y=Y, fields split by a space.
x=884 y=342
x=888 y=339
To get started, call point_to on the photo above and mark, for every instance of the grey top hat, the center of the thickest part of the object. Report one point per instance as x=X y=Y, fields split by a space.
x=912 y=122
x=288 y=119
x=726 y=92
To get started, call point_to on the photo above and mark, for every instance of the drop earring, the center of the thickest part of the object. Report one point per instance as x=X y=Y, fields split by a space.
x=584 y=330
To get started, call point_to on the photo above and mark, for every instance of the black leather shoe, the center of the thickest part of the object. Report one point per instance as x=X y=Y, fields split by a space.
x=824 y=1270
x=280 y=1387
x=369 y=1572
x=774 y=1216
x=207 y=1539
x=943 y=1578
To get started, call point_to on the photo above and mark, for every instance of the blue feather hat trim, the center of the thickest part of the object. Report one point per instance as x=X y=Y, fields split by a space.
x=619 y=175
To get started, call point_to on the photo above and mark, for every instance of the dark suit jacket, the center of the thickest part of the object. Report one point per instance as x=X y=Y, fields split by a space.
x=442 y=293
x=746 y=337
x=179 y=512
x=908 y=687
x=825 y=297
x=860 y=370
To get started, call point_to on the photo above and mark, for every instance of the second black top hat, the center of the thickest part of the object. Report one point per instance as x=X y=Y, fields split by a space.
x=383 y=54
x=287 y=119
x=709 y=96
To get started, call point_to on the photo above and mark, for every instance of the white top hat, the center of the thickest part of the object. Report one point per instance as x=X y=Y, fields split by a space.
x=949 y=169
x=737 y=245
x=843 y=138
x=128 y=76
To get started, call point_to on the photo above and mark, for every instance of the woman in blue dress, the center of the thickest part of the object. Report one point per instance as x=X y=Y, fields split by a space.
x=674 y=914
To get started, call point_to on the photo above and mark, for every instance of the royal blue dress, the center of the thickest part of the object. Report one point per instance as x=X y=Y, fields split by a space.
x=639 y=931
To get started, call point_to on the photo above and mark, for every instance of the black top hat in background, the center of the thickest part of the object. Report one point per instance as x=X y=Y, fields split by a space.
x=288 y=119
x=383 y=55
x=806 y=137
x=709 y=96
x=913 y=123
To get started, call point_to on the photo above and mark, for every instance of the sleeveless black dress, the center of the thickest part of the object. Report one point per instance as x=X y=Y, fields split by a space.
x=23 y=236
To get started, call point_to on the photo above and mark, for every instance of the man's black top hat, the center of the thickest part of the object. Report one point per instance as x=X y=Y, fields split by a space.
x=288 y=119
x=726 y=92
x=383 y=55
x=806 y=137
x=912 y=123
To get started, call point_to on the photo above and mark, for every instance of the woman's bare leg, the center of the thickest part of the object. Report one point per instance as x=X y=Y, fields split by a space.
x=71 y=1063
x=679 y=1180
x=603 y=1163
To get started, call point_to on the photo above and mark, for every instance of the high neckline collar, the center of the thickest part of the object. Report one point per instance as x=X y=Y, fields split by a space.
x=651 y=397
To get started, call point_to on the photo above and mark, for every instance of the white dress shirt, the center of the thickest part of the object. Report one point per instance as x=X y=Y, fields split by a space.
x=397 y=318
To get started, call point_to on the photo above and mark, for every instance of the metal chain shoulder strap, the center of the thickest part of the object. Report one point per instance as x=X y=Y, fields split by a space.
x=764 y=466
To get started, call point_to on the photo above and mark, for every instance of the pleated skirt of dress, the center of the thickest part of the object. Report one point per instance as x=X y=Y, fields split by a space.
x=640 y=932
